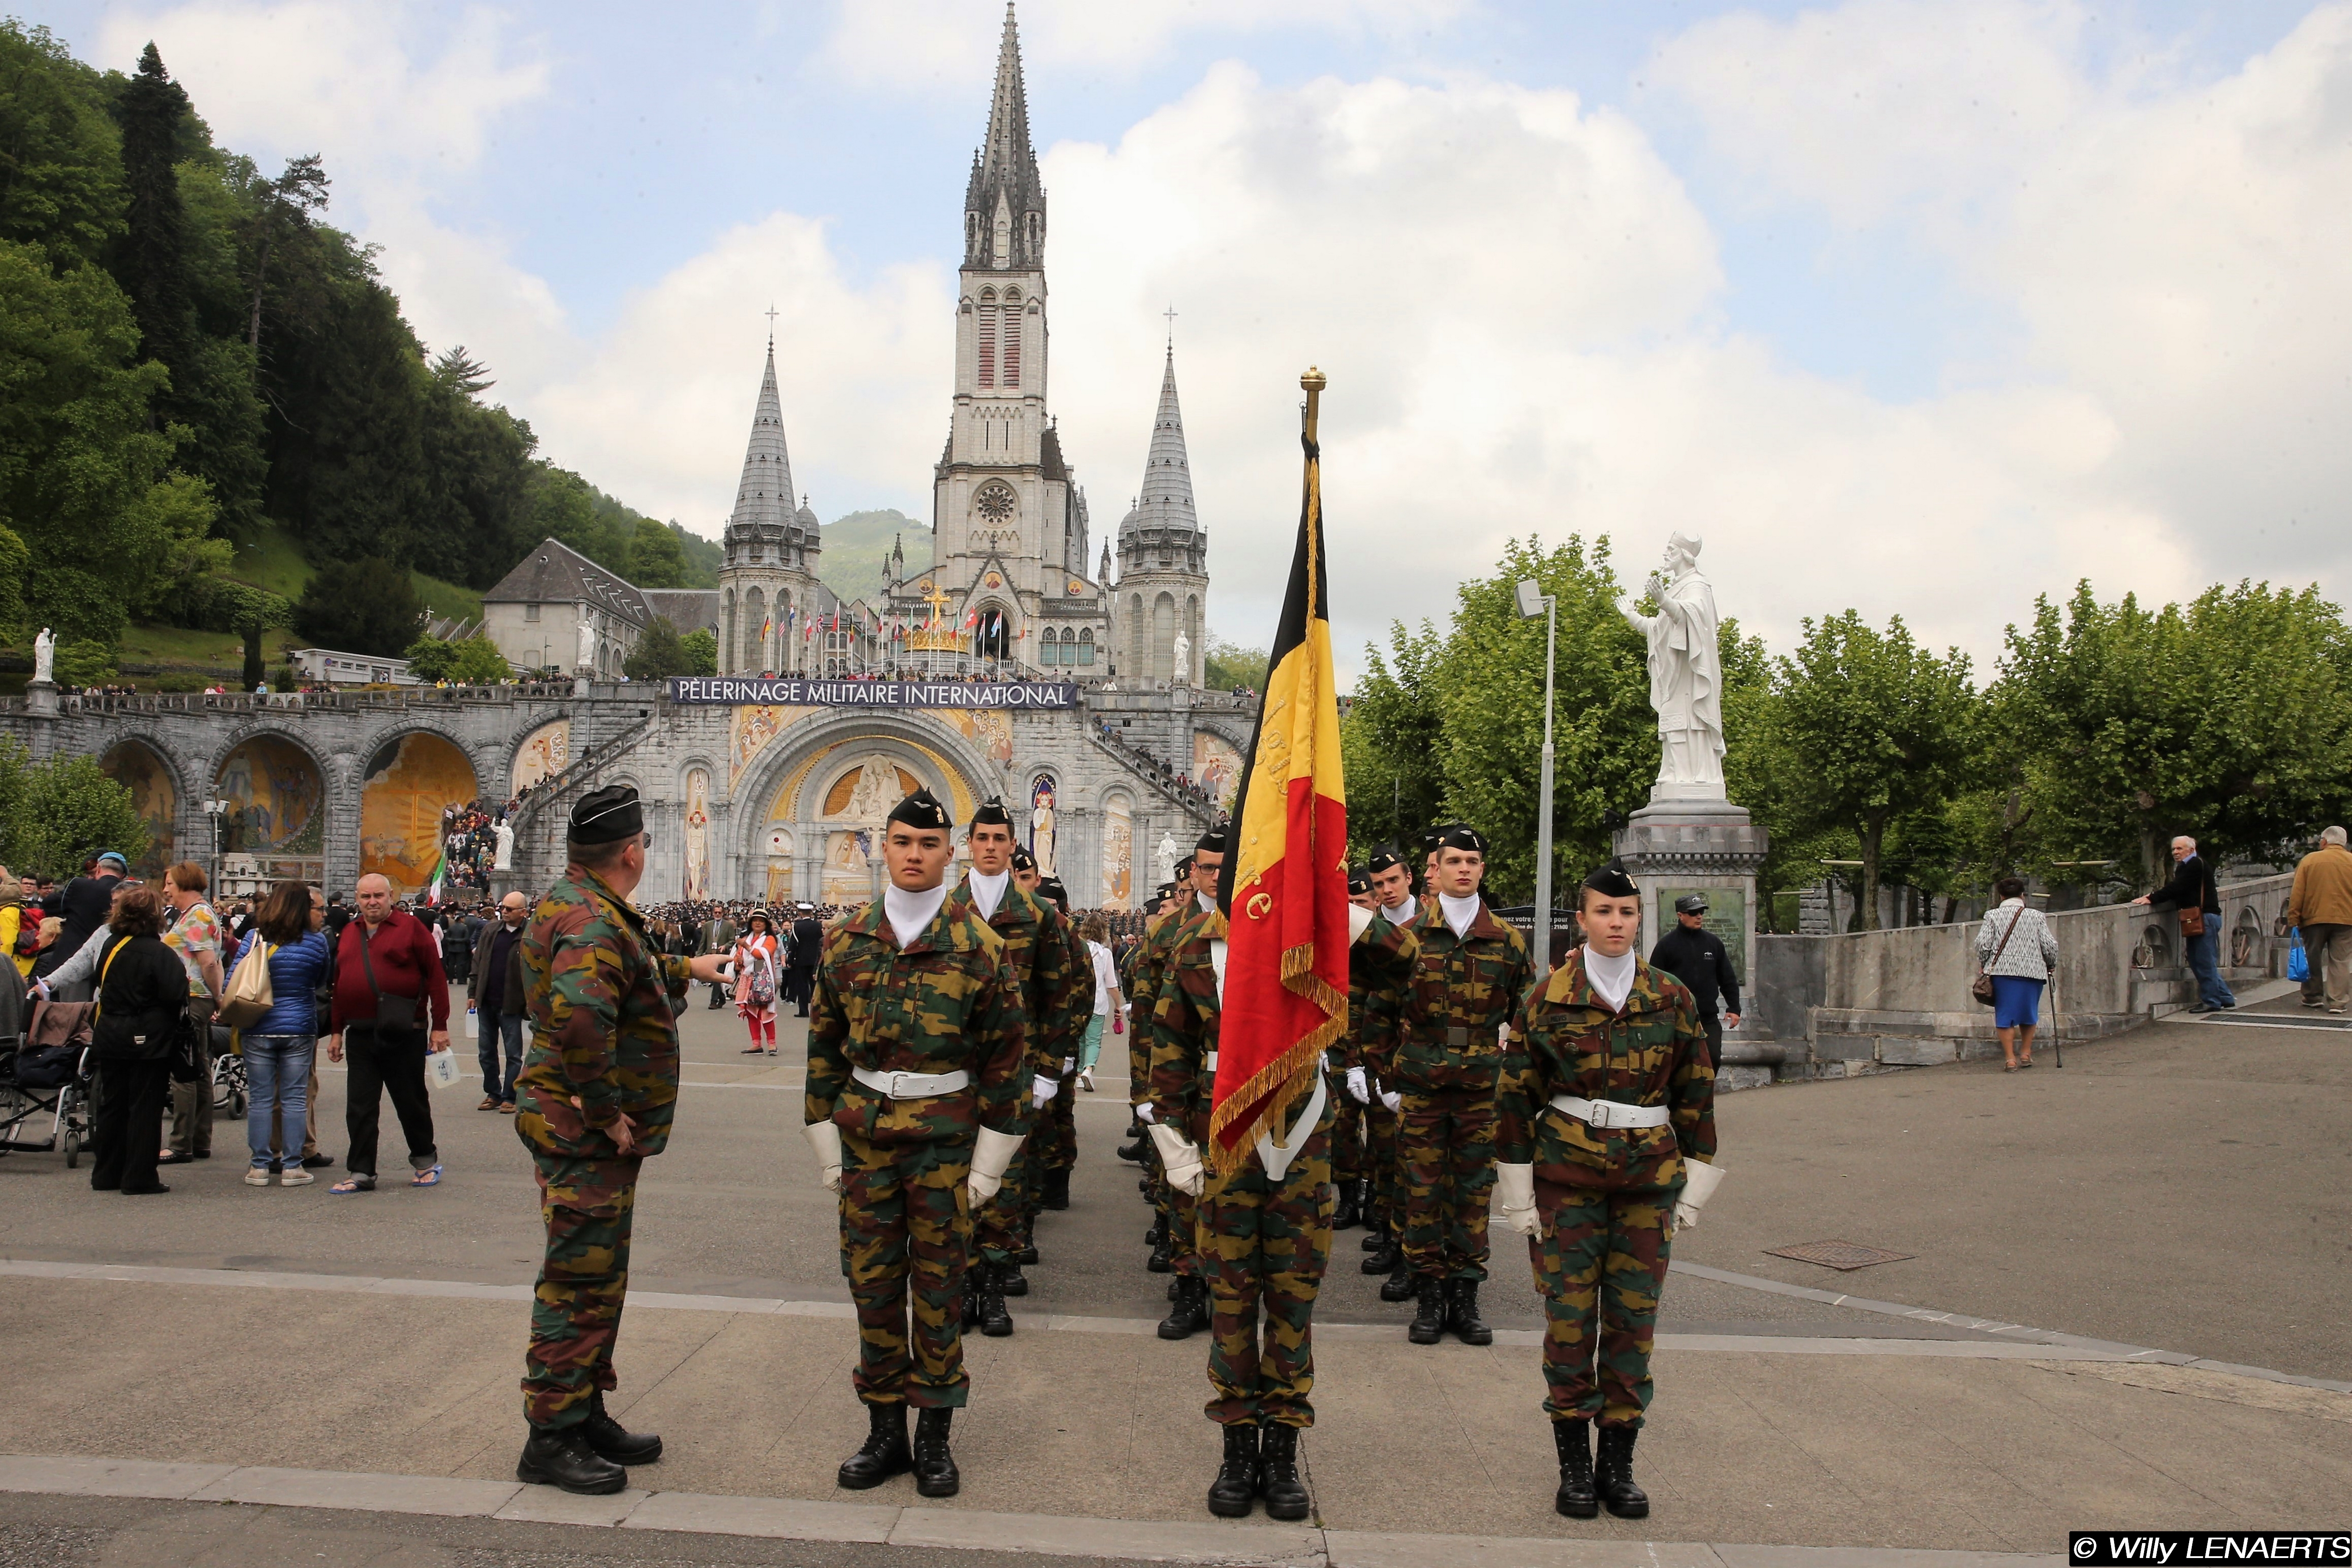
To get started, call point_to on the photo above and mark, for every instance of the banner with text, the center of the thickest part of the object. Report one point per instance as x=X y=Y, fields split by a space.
x=874 y=693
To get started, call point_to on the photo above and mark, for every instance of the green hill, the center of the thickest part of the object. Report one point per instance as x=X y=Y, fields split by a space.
x=856 y=546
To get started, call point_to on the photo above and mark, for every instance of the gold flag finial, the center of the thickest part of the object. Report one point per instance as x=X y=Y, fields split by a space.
x=1314 y=382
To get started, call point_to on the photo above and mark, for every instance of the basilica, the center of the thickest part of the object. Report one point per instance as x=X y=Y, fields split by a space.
x=1006 y=665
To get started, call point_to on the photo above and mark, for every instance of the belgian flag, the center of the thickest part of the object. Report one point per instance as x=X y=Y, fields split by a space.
x=1283 y=885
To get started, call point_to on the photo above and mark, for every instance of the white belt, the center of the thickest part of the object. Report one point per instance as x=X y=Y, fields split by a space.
x=1209 y=1061
x=911 y=1086
x=1610 y=1113
x=1277 y=1157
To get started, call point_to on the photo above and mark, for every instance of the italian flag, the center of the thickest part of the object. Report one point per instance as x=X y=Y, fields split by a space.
x=1284 y=886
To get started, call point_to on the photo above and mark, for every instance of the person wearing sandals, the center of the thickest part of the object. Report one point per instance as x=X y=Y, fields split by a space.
x=598 y=1089
x=2014 y=946
x=757 y=977
x=281 y=1045
x=387 y=973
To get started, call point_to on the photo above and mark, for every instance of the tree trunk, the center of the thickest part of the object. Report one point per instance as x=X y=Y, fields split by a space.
x=252 y=657
x=260 y=271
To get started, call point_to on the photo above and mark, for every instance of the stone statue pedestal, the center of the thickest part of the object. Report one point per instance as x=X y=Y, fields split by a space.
x=41 y=698
x=579 y=686
x=1675 y=847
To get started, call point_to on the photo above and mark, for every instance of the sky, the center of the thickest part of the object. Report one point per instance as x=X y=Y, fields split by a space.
x=1908 y=307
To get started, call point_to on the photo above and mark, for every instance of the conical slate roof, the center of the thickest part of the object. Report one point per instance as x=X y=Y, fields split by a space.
x=1165 y=501
x=1005 y=179
x=1006 y=152
x=765 y=496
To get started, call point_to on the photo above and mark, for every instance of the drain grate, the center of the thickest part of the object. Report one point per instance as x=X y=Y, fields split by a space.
x=1843 y=1255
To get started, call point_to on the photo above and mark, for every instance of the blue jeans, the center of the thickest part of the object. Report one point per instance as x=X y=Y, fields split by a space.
x=277 y=1077
x=2204 y=963
x=496 y=1084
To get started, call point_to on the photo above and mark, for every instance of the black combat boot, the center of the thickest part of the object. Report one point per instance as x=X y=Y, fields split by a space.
x=1375 y=1232
x=1191 y=1313
x=1401 y=1286
x=1058 y=1188
x=1613 y=1474
x=612 y=1441
x=560 y=1457
x=935 y=1468
x=986 y=1286
x=884 y=1453
x=1576 y=1499
x=1163 y=1251
x=1385 y=1258
x=1158 y=1230
x=1007 y=1280
x=1349 y=1214
x=1462 y=1313
x=1277 y=1473
x=1028 y=1254
x=1429 y=1317
x=1232 y=1493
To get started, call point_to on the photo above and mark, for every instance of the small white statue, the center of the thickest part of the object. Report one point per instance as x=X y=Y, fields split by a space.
x=1183 y=660
x=44 y=655
x=1165 y=857
x=505 y=861
x=587 y=660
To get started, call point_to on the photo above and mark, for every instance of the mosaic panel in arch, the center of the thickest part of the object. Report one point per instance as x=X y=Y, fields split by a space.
x=749 y=731
x=697 y=833
x=275 y=797
x=410 y=782
x=544 y=753
x=137 y=768
x=991 y=729
x=1215 y=765
x=1118 y=853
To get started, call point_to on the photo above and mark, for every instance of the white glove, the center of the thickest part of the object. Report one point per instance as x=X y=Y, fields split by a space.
x=1181 y=1160
x=1359 y=1087
x=1042 y=1089
x=1391 y=1099
x=1069 y=1065
x=1699 y=1182
x=1514 y=1198
x=1146 y=1114
x=990 y=1152
x=826 y=1139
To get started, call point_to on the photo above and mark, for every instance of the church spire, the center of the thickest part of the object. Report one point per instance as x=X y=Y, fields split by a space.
x=1004 y=205
x=764 y=497
x=1165 y=501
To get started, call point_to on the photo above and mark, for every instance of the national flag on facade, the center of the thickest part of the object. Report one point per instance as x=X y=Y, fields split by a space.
x=1283 y=885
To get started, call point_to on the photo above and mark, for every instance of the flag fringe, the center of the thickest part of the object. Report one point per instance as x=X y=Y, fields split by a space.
x=1272 y=1087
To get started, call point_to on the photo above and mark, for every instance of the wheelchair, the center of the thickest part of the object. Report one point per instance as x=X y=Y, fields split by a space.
x=230 y=1095
x=45 y=1072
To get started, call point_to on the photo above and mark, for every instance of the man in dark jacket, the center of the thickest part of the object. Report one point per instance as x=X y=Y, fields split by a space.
x=83 y=904
x=808 y=946
x=2192 y=888
x=501 y=1003
x=1696 y=956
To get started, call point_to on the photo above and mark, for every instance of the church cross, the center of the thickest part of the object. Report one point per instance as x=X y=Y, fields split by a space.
x=771 y=326
x=1171 y=314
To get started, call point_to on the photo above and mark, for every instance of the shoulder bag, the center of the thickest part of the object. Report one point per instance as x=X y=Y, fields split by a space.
x=2193 y=913
x=248 y=997
x=391 y=1012
x=1982 y=989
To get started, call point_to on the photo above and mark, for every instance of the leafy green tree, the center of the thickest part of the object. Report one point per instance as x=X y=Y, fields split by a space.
x=62 y=177
x=479 y=663
x=67 y=809
x=700 y=647
x=1390 y=743
x=657 y=560
x=1225 y=666
x=84 y=662
x=430 y=659
x=1866 y=726
x=366 y=606
x=15 y=565
x=2229 y=718
x=659 y=653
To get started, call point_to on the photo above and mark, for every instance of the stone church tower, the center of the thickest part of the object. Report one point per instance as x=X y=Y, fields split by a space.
x=1163 y=559
x=771 y=571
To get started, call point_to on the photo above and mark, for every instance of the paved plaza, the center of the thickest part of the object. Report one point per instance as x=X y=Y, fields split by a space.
x=2122 y=1309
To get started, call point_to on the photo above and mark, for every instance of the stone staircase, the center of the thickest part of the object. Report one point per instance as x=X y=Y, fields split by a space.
x=540 y=820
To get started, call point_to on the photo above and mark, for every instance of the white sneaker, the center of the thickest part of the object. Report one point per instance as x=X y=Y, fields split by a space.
x=297 y=1177
x=256 y=1176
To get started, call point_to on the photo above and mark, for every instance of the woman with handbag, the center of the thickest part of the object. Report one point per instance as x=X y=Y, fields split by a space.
x=280 y=1041
x=758 y=961
x=2015 y=952
x=142 y=1017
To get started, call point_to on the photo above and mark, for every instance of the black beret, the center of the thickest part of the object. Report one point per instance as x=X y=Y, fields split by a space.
x=1051 y=886
x=1359 y=883
x=992 y=813
x=1022 y=859
x=607 y=815
x=921 y=809
x=1461 y=836
x=1383 y=858
x=1611 y=881
x=1211 y=842
x=1184 y=869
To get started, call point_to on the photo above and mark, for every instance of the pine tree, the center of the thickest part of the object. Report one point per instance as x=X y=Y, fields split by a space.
x=153 y=262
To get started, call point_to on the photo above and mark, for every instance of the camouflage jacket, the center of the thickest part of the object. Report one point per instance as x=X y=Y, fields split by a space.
x=1037 y=950
x=1463 y=991
x=949 y=1002
x=1380 y=962
x=603 y=1035
x=1565 y=1040
x=1184 y=1021
x=1161 y=941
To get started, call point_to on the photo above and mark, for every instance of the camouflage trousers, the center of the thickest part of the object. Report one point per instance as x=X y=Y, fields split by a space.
x=1263 y=1245
x=1347 y=1139
x=1600 y=1262
x=904 y=1234
x=587 y=1207
x=1061 y=1114
x=1445 y=1142
x=1382 y=1167
x=1003 y=1224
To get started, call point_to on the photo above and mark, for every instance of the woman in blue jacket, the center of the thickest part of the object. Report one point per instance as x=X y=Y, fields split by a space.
x=278 y=1045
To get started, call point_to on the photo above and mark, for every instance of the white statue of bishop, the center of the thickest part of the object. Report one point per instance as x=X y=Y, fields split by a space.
x=1686 y=676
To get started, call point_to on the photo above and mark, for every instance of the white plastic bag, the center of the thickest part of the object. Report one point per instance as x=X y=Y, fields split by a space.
x=441 y=1068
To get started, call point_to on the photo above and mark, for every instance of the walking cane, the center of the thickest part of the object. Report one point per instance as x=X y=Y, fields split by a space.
x=2057 y=1022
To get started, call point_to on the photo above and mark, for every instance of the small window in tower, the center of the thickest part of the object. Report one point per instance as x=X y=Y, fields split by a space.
x=988 y=345
x=1012 y=345
x=1086 y=648
x=1049 y=652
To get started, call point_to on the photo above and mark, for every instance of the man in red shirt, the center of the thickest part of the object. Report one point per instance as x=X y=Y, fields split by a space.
x=389 y=990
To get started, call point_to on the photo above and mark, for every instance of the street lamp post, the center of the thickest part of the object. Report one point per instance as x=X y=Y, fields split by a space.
x=1534 y=601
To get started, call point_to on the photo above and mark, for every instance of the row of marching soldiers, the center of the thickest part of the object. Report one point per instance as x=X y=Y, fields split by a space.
x=1428 y=1108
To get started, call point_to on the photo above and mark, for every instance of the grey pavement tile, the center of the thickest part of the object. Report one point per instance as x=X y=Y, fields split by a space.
x=1365 y=1548
x=1878 y=1557
x=106 y=1478
x=552 y=1505
x=348 y=1489
x=781 y=1518
x=1154 y=1540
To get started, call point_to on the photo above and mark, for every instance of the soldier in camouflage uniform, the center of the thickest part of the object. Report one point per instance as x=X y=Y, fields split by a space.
x=918 y=1063
x=1606 y=1146
x=1030 y=932
x=1144 y=970
x=1348 y=1115
x=1167 y=1080
x=594 y=1098
x=1380 y=962
x=1059 y=1117
x=1468 y=978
